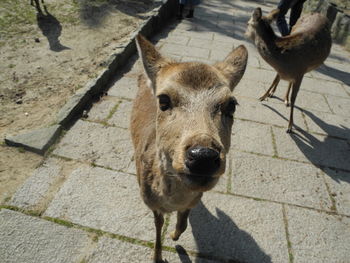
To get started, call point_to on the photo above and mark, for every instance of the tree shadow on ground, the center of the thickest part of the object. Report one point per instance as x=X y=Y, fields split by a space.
x=218 y=237
x=335 y=73
x=93 y=13
x=50 y=27
x=331 y=153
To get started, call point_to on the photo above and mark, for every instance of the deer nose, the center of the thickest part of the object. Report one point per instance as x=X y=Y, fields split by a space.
x=202 y=161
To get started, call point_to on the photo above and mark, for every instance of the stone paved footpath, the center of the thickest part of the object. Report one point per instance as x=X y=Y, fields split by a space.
x=284 y=198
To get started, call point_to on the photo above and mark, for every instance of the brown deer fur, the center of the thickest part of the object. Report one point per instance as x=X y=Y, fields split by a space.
x=305 y=49
x=181 y=121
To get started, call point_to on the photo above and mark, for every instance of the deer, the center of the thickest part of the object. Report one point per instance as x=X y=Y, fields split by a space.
x=180 y=127
x=305 y=49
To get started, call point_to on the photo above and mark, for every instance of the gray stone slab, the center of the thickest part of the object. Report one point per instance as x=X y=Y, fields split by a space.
x=261 y=75
x=251 y=137
x=235 y=228
x=178 y=50
x=37 y=187
x=279 y=180
x=339 y=186
x=106 y=146
x=325 y=87
x=121 y=117
x=210 y=44
x=339 y=105
x=317 y=237
x=113 y=250
x=178 y=40
x=267 y=112
x=26 y=239
x=316 y=149
x=37 y=141
x=126 y=87
x=251 y=88
x=106 y=200
x=328 y=124
x=305 y=99
x=219 y=54
x=101 y=109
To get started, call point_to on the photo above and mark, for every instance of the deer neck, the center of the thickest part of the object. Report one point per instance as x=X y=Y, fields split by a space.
x=265 y=41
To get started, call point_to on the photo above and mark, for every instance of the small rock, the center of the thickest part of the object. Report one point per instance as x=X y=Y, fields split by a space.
x=19 y=101
x=37 y=40
x=26 y=113
x=85 y=114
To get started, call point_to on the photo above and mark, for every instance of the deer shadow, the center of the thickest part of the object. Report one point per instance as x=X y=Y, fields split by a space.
x=50 y=27
x=338 y=74
x=330 y=154
x=218 y=236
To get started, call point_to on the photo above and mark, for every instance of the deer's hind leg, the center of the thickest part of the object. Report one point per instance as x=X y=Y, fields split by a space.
x=286 y=98
x=272 y=88
x=295 y=90
x=158 y=221
x=181 y=224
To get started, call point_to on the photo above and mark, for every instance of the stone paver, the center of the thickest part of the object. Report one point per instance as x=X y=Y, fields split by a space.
x=107 y=146
x=252 y=137
x=37 y=188
x=27 y=239
x=235 y=228
x=106 y=200
x=125 y=87
x=279 y=180
x=339 y=185
x=318 y=237
x=108 y=250
x=312 y=148
x=283 y=198
x=121 y=117
x=101 y=110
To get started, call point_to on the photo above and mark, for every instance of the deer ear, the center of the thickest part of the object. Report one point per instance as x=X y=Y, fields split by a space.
x=152 y=60
x=257 y=14
x=234 y=65
x=272 y=16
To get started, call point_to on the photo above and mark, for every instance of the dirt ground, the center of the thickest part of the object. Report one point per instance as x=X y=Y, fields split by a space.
x=47 y=53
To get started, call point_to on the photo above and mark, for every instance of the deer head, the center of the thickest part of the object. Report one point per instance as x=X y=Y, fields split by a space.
x=195 y=108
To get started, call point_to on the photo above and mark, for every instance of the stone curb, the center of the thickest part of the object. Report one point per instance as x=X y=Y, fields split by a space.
x=339 y=21
x=36 y=141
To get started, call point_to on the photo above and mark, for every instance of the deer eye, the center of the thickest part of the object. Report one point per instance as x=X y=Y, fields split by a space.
x=229 y=108
x=164 y=102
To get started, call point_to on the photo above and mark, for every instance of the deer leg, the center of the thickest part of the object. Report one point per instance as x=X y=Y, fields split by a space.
x=272 y=87
x=181 y=224
x=286 y=98
x=295 y=90
x=158 y=221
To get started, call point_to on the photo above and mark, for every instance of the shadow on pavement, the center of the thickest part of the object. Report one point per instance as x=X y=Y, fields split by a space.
x=331 y=152
x=50 y=27
x=335 y=73
x=219 y=236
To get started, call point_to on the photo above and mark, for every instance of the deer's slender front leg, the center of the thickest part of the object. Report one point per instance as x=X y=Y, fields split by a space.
x=272 y=88
x=286 y=98
x=158 y=221
x=181 y=224
x=295 y=89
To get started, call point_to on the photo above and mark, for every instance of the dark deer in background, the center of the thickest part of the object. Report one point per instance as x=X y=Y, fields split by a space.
x=305 y=49
x=181 y=131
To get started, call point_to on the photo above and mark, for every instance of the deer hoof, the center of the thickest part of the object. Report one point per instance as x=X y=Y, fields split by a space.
x=262 y=98
x=289 y=130
x=174 y=236
x=287 y=103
